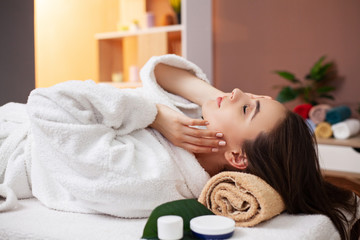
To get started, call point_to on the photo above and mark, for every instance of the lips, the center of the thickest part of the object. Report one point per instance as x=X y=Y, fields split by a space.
x=219 y=100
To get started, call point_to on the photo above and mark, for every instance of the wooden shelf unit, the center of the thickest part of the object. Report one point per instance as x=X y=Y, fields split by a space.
x=351 y=142
x=121 y=50
x=340 y=157
x=118 y=51
x=123 y=34
x=192 y=39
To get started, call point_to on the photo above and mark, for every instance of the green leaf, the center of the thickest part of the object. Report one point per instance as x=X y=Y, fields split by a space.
x=299 y=91
x=187 y=209
x=317 y=66
x=322 y=72
x=307 y=94
x=286 y=94
x=288 y=76
x=325 y=89
x=324 y=68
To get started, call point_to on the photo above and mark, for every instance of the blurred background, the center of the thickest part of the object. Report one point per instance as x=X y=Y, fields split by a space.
x=238 y=43
x=259 y=46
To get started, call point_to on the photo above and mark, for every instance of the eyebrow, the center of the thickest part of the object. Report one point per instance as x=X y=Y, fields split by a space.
x=257 y=109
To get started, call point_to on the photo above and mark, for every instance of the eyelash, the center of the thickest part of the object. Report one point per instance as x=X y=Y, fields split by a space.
x=244 y=108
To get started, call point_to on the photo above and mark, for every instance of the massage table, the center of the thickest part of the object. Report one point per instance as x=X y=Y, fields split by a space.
x=32 y=220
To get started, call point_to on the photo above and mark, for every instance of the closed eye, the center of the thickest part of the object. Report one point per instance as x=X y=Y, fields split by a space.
x=245 y=108
x=257 y=109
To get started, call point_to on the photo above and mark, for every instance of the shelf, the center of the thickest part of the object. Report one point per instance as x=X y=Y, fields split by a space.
x=119 y=51
x=122 y=34
x=351 y=142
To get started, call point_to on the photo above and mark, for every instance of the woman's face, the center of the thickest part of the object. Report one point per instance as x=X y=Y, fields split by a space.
x=241 y=116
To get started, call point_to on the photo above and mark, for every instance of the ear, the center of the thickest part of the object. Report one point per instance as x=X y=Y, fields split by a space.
x=236 y=159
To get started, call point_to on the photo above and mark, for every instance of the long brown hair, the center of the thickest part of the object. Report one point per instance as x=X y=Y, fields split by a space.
x=287 y=159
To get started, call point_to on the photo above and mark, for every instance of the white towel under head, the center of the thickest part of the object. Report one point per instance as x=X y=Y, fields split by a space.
x=346 y=129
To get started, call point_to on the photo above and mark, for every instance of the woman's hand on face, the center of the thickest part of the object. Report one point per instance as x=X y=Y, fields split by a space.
x=176 y=127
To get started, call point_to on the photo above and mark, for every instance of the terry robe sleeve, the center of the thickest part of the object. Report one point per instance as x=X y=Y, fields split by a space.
x=79 y=131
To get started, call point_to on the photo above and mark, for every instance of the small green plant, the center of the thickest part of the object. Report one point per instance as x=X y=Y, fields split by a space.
x=312 y=88
x=176 y=5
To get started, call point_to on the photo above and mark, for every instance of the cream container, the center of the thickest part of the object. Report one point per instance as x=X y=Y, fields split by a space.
x=212 y=227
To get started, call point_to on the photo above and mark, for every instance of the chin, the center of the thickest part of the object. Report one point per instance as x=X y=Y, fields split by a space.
x=207 y=108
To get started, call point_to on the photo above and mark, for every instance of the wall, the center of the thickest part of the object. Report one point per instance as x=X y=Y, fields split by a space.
x=197 y=39
x=65 y=46
x=252 y=38
x=17 y=75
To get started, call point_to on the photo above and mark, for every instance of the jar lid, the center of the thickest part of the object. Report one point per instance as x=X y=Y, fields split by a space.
x=170 y=227
x=212 y=226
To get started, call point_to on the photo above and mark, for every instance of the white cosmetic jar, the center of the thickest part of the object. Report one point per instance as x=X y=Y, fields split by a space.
x=170 y=227
x=212 y=227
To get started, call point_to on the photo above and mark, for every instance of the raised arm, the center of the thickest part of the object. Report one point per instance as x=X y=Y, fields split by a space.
x=176 y=127
x=185 y=84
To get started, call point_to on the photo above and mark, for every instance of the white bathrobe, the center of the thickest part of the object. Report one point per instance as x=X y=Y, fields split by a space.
x=86 y=147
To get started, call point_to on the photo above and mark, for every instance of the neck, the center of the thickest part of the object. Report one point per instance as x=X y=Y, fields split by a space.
x=213 y=163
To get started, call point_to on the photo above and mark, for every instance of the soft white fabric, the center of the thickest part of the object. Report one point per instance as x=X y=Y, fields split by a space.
x=92 y=153
x=14 y=155
x=34 y=221
x=294 y=227
x=9 y=196
x=346 y=129
x=159 y=95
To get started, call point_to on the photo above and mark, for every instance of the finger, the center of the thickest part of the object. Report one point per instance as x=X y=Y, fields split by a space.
x=198 y=149
x=195 y=122
x=185 y=120
x=204 y=142
x=202 y=133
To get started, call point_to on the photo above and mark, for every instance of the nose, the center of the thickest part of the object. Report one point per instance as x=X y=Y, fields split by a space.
x=236 y=94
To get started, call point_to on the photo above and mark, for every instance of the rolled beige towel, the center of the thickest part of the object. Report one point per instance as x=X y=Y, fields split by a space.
x=243 y=197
